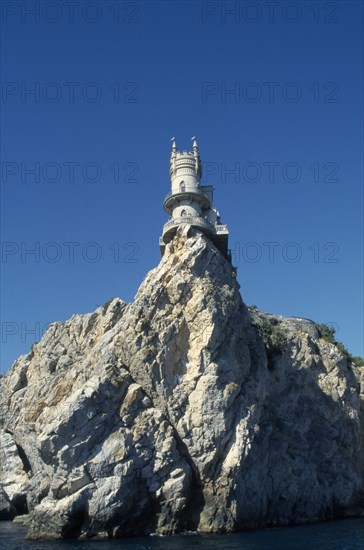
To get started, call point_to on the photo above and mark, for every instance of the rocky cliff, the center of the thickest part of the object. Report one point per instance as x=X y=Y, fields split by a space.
x=183 y=410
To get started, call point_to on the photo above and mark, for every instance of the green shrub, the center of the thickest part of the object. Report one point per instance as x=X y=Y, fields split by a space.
x=357 y=360
x=273 y=337
x=328 y=334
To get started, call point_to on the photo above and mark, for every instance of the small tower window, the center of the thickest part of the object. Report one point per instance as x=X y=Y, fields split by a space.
x=182 y=186
x=183 y=213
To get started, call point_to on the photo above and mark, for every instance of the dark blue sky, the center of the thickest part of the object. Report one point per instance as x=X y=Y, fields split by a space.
x=91 y=96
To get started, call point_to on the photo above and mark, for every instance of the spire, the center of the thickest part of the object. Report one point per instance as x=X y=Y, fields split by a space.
x=173 y=154
x=196 y=156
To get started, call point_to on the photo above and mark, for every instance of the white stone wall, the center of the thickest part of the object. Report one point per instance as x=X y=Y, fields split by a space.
x=192 y=209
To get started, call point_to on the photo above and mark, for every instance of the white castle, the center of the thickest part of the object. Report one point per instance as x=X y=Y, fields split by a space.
x=189 y=202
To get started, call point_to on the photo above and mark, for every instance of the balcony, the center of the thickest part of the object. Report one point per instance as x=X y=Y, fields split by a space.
x=221 y=229
x=196 y=221
x=172 y=199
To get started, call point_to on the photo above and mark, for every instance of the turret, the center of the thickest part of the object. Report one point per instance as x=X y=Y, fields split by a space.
x=189 y=202
x=185 y=168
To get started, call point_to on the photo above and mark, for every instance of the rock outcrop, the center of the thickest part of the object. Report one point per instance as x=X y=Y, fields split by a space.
x=173 y=413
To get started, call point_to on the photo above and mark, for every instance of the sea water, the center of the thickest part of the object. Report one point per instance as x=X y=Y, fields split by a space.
x=335 y=535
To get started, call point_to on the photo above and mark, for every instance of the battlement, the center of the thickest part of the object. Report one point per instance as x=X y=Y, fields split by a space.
x=185 y=162
x=184 y=153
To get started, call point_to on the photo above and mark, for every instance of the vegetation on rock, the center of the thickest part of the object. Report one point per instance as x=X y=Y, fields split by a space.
x=328 y=334
x=274 y=338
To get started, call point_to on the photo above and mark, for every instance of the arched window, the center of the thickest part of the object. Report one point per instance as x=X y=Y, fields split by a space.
x=183 y=213
x=182 y=186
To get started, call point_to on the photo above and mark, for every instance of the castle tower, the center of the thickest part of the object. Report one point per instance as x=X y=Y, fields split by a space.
x=189 y=202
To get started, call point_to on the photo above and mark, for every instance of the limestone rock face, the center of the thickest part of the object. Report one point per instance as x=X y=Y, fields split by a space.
x=171 y=414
